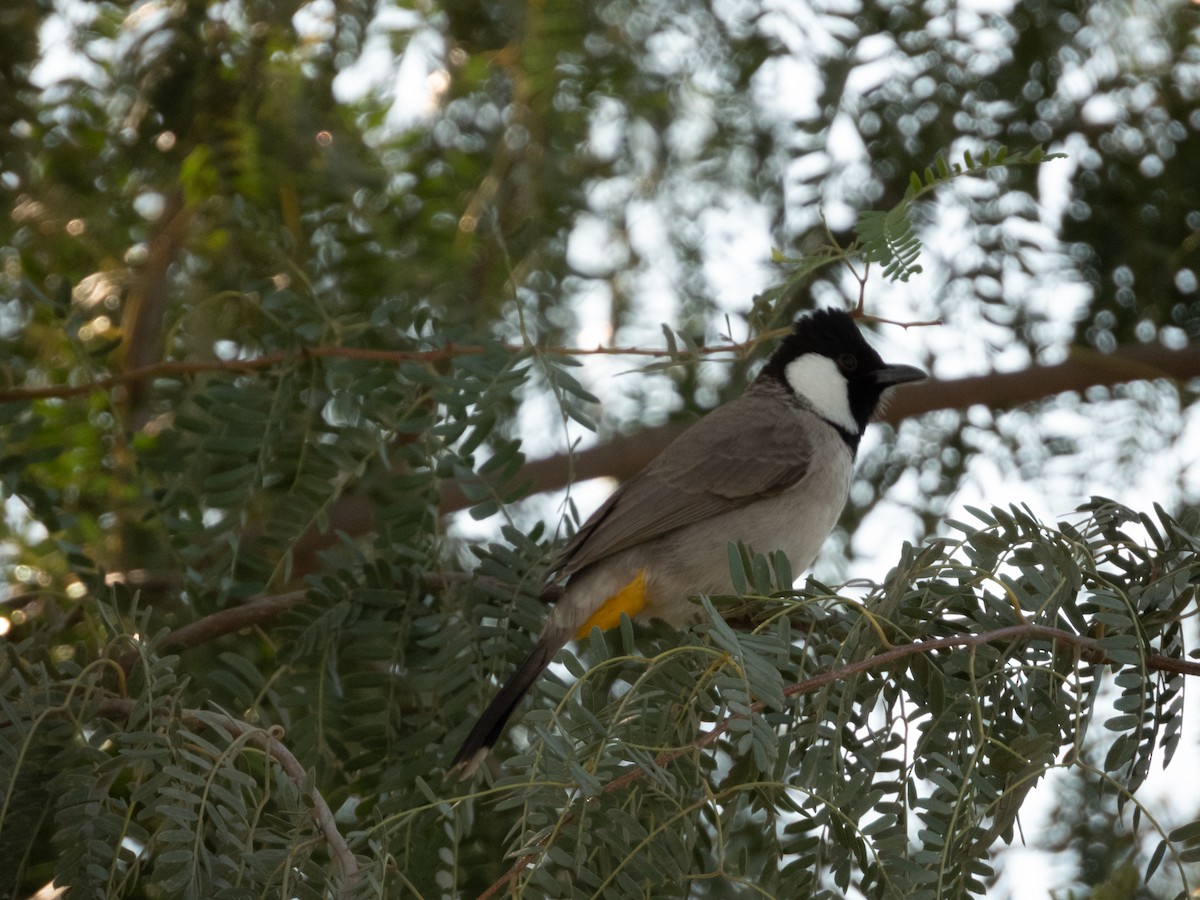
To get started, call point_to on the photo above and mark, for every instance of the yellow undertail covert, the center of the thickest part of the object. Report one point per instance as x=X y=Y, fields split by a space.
x=629 y=600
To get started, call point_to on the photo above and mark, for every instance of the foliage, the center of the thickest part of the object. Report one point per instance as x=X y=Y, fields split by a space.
x=883 y=742
x=257 y=335
x=889 y=238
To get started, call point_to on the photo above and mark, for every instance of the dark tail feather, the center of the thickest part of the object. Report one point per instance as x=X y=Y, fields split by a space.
x=491 y=724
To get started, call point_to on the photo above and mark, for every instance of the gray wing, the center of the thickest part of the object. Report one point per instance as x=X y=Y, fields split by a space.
x=749 y=449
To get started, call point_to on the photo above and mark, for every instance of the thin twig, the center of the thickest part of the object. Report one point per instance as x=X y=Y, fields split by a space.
x=1088 y=649
x=266 y=741
x=905 y=325
x=270 y=360
x=266 y=361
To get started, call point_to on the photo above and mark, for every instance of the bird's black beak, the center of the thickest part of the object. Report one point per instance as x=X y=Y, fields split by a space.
x=892 y=375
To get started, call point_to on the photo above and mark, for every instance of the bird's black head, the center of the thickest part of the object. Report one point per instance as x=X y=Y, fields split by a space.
x=829 y=364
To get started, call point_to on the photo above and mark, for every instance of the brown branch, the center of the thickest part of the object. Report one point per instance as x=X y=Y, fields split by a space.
x=266 y=361
x=322 y=815
x=1087 y=648
x=142 y=316
x=263 y=609
x=1083 y=369
x=623 y=456
x=256 y=611
x=438 y=354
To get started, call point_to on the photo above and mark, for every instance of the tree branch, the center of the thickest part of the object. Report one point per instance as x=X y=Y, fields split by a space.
x=438 y=354
x=1082 y=369
x=1086 y=648
x=623 y=456
x=142 y=316
x=120 y=708
x=200 y=367
x=1085 y=368
x=263 y=609
x=256 y=611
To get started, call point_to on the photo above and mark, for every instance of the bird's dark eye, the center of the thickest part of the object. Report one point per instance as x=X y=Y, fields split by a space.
x=847 y=362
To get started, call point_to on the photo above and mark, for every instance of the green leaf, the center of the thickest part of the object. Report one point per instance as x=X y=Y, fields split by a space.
x=1185 y=833
x=737 y=570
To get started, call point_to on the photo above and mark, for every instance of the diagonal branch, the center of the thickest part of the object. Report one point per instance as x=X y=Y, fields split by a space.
x=262 y=609
x=1086 y=648
x=256 y=611
x=1089 y=649
x=621 y=456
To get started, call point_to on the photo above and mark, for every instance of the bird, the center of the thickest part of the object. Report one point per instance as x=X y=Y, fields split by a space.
x=770 y=469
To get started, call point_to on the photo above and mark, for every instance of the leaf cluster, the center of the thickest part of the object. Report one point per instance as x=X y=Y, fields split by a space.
x=889 y=238
x=883 y=743
x=803 y=742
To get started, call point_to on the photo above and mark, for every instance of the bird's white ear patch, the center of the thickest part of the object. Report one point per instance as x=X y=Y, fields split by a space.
x=816 y=378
